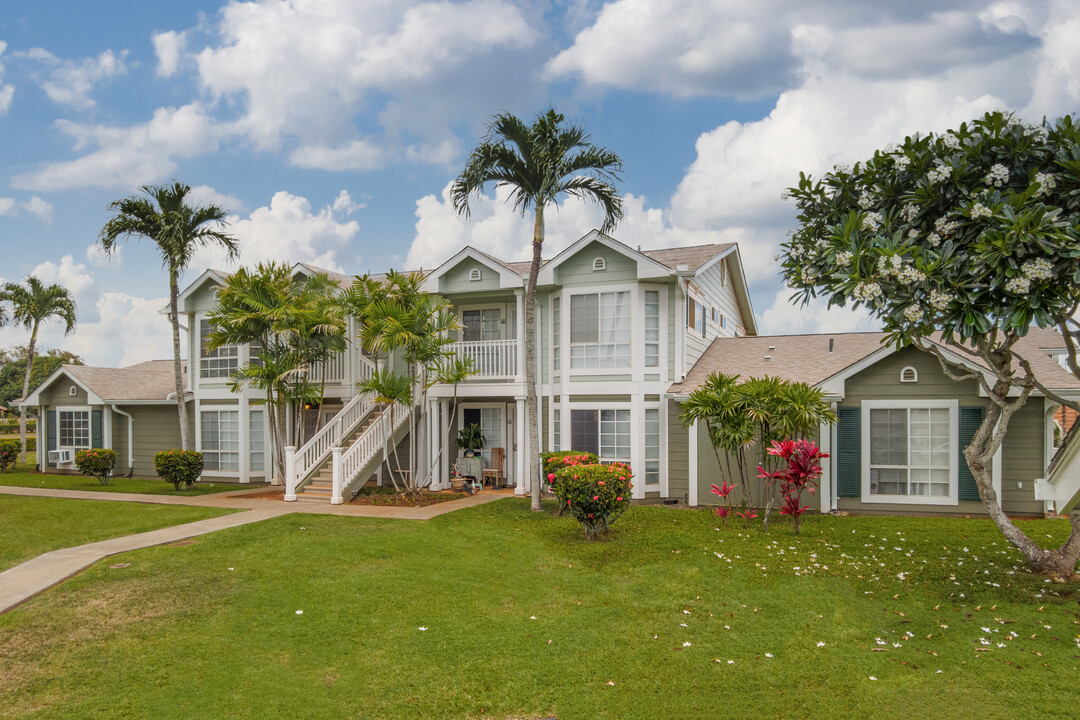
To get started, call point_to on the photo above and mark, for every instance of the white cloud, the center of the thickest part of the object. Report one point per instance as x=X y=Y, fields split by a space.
x=70 y=82
x=786 y=318
x=7 y=92
x=73 y=276
x=302 y=69
x=127 y=156
x=289 y=231
x=127 y=330
x=169 y=48
x=42 y=209
x=358 y=155
x=97 y=257
x=7 y=206
x=206 y=195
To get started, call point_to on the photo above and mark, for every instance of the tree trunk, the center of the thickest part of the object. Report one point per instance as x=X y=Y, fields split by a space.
x=1060 y=561
x=181 y=406
x=26 y=391
x=532 y=407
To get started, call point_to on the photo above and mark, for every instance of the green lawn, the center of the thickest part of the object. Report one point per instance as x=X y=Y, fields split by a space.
x=31 y=526
x=497 y=612
x=21 y=477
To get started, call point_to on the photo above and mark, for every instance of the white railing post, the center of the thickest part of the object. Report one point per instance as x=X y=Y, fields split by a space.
x=290 y=473
x=335 y=495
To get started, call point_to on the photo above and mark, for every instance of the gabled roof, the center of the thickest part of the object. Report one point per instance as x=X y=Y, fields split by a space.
x=146 y=383
x=806 y=358
x=508 y=277
x=692 y=257
x=647 y=266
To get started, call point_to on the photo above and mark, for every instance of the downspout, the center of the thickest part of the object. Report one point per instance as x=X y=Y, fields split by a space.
x=131 y=439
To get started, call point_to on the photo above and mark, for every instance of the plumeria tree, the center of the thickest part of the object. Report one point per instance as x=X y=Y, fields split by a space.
x=968 y=237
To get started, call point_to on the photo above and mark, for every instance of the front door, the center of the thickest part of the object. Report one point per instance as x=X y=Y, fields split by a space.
x=491 y=417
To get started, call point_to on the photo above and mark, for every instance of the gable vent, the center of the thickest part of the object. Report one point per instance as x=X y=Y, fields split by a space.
x=599 y=264
x=475 y=274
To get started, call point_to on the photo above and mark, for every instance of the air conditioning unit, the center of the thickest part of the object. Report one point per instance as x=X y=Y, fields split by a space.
x=57 y=457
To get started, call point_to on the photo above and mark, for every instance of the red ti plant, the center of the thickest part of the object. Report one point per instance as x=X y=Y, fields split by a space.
x=802 y=473
x=722 y=511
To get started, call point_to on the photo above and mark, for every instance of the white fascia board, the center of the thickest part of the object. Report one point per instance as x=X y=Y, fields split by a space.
x=33 y=399
x=507 y=278
x=647 y=268
x=741 y=291
x=833 y=386
x=207 y=276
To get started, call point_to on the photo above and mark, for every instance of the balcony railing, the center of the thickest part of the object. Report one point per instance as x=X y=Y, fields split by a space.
x=330 y=372
x=493 y=359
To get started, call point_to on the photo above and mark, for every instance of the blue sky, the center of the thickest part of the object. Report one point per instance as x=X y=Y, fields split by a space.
x=331 y=129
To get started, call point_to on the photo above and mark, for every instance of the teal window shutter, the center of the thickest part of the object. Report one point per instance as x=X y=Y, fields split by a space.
x=96 y=428
x=50 y=433
x=848 y=452
x=970 y=420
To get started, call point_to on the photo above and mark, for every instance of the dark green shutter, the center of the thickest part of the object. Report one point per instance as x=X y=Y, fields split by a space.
x=848 y=452
x=970 y=420
x=50 y=434
x=95 y=429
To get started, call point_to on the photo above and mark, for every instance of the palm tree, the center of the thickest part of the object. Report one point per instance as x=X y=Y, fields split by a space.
x=161 y=214
x=32 y=304
x=539 y=163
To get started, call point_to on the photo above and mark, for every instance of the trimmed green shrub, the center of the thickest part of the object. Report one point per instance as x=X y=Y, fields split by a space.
x=97 y=463
x=12 y=426
x=596 y=495
x=31 y=444
x=9 y=453
x=180 y=467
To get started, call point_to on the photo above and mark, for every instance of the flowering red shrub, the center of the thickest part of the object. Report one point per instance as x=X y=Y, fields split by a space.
x=180 y=467
x=97 y=463
x=595 y=494
x=801 y=473
x=9 y=453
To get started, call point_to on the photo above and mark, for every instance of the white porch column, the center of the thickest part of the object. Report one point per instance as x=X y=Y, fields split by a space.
x=335 y=458
x=692 y=464
x=825 y=483
x=519 y=297
x=434 y=441
x=444 y=444
x=521 y=456
x=290 y=473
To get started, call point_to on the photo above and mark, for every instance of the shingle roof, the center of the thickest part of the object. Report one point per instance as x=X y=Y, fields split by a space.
x=693 y=257
x=806 y=358
x=801 y=358
x=151 y=380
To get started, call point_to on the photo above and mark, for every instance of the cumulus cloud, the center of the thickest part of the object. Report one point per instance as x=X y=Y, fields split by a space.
x=73 y=276
x=302 y=70
x=97 y=257
x=7 y=92
x=206 y=195
x=289 y=230
x=169 y=48
x=783 y=317
x=127 y=157
x=127 y=330
x=7 y=206
x=35 y=206
x=70 y=82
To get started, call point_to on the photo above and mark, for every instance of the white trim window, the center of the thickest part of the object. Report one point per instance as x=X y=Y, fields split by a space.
x=556 y=331
x=481 y=324
x=256 y=442
x=652 y=328
x=73 y=429
x=604 y=432
x=600 y=330
x=909 y=451
x=695 y=315
x=220 y=435
x=218 y=363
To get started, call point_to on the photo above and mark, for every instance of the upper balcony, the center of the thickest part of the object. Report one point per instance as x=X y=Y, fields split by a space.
x=492 y=359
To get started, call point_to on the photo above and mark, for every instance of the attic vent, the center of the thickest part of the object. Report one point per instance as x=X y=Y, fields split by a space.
x=831 y=341
x=768 y=357
x=723 y=273
x=73 y=391
x=599 y=264
x=909 y=374
x=474 y=274
x=771 y=348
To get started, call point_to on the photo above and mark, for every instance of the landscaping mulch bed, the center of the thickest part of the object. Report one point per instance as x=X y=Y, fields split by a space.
x=387 y=498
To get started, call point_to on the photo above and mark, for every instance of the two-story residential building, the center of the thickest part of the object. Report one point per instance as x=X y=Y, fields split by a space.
x=623 y=335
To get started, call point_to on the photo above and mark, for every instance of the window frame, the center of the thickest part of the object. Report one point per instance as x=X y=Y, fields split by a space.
x=696 y=317
x=217 y=452
x=600 y=410
x=80 y=409
x=631 y=298
x=210 y=357
x=953 y=406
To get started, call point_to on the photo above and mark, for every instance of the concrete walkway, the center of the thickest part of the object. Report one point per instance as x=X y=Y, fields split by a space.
x=22 y=582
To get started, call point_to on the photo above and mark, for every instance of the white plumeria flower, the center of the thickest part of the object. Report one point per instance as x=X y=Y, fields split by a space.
x=730 y=662
x=421 y=629
x=683 y=624
x=1001 y=645
x=685 y=612
x=821 y=644
x=532 y=617
x=768 y=655
x=879 y=641
x=686 y=644
x=986 y=630
x=873 y=678
x=897 y=645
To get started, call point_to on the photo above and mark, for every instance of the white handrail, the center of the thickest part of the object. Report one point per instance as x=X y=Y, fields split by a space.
x=318 y=448
x=491 y=358
x=366 y=447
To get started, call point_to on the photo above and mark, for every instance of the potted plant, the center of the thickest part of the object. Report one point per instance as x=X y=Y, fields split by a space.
x=471 y=439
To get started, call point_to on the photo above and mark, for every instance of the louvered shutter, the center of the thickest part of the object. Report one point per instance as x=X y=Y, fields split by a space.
x=848 y=452
x=970 y=420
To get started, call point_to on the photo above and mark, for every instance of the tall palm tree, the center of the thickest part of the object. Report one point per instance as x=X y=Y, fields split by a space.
x=32 y=304
x=540 y=163
x=162 y=214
